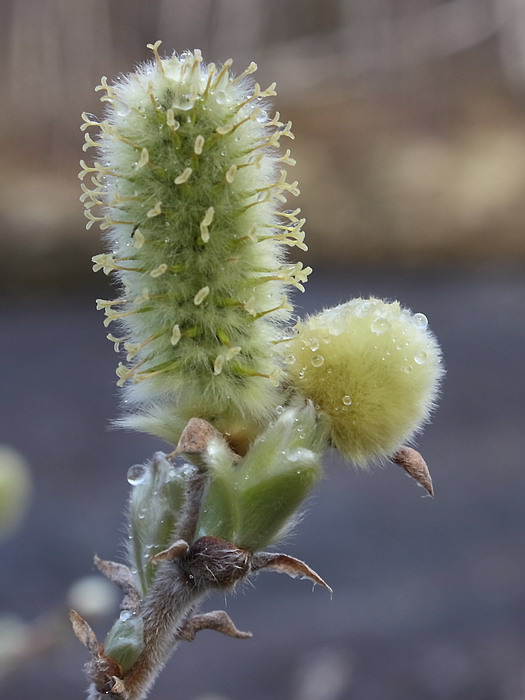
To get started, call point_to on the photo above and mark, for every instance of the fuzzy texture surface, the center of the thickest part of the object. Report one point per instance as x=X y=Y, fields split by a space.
x=191 y=183
x=373 y=368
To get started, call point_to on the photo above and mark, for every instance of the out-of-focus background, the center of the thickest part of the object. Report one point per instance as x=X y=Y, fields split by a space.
x=409 y=118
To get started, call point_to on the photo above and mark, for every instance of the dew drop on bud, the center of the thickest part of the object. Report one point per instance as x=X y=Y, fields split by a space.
x=317 y=360
x=289 y=360
x=420 y=321
x=125 y=615
x=420 y=358
x=122 y=109
x=380 y=325
x=137 y=474
x=347 y=400
x=406 y=369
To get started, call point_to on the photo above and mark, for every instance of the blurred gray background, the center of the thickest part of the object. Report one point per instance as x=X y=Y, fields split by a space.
x=409 y=118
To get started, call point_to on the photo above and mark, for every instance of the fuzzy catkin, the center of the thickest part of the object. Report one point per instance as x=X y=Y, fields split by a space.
x=192 y=185
x=373 y=368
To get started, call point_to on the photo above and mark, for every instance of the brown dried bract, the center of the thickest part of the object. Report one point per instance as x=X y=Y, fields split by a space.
x=285 y=564
x=414 y=464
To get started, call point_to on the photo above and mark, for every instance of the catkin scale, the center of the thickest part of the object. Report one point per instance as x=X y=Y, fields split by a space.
x=192 y=185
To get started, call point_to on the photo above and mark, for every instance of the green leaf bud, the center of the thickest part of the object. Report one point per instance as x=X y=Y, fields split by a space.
x=254 y=502
x=373 y=368
x=125 y=640
x=155 y=502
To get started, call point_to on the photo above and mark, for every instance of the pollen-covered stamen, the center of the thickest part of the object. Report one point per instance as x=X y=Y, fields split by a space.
x=247 y=71
x=284 y=305
x=159 y=270
x=124 y=373
x=290 y=274
x=232 y=352
x=271 y=140
x=90 y=194
x=138 y=239
x=205 y=223
x=257 y=93
x=170 y=119
x=89 y=120
x=275 y=120
x=212 y=70
x=89 y=143
x=261 y=200
x=154 y=211
x=109 y=223
x=287 y=131
x=104 y=262
x=117 y=341
x=144 y=158
x=287 y=159
x=110 y=92
x=253 y=161
x=223 y=358
x=107 y=264
x=158 y=61
x=134 y=348
x=281 y=186
x=176 y=334
x=201 y=296
x=292 y=215
x=113 y=315
x=250 y=306
x=199 y=145
x=108 y=303
x=197 y=60
x=99 y=169
x=294 y=236
x=94 y=202
x=230 y=174
x=218 y=364
x=223 y=72
x=183 y=177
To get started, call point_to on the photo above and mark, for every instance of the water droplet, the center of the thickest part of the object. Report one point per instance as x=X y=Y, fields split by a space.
x=125 y=615
x=289 y=360
x=407 y=369
x=420 y=321
x=220 y=97
x=380 y=325
x=122 y=109
x=137 y=474
x=184 y=102
x=420 y=358
x=317 y=360
x=347 y=400
x=314 y=344
x=280 y=409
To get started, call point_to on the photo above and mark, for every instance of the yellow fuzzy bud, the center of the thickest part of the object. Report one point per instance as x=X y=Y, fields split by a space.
x=373 y=368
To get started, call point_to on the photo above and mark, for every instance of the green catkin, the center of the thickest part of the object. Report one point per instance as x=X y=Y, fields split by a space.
x=191 y=183
x=373 y=369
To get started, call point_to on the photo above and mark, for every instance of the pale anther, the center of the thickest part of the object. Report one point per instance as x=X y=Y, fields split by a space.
x=183 y=177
